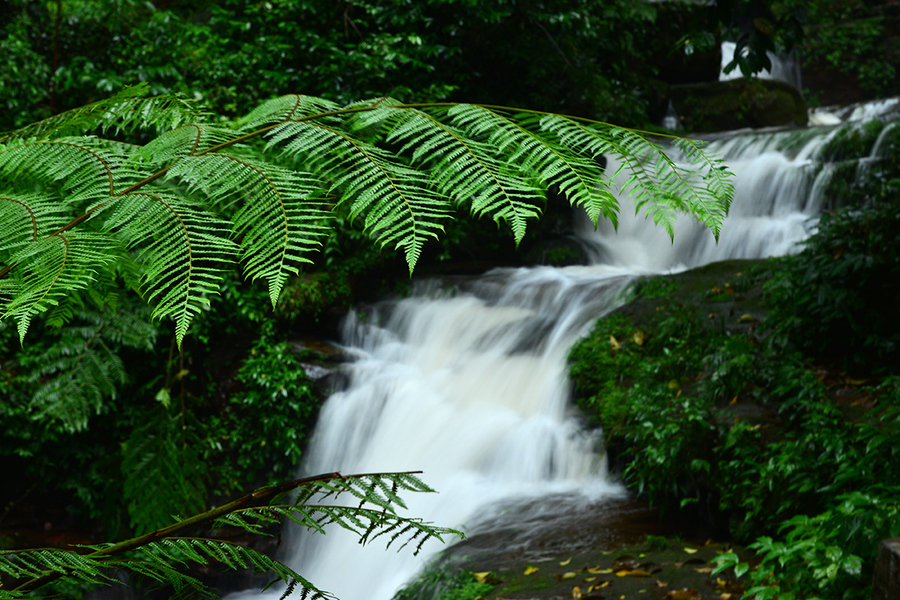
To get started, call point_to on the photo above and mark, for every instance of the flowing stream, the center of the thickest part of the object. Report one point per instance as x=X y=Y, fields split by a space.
x=466 y=380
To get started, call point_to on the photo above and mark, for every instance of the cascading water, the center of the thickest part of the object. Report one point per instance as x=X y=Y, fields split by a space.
x=466 y=380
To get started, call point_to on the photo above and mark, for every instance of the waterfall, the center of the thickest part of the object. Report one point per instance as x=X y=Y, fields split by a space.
x=778 y=184
x=784 y=67
x=465 y=379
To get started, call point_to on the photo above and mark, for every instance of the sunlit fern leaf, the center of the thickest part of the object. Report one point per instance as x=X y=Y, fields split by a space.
x=126 y=111
x=184 y=250
x=76 y=171
x=284 y=108
x=461 y=166
x=653 y=180
x=275 y=215
x=399 y=205
x=48 y=270
x=188 y=140
x=522 y=139
x=707 y=180
x=24 y=217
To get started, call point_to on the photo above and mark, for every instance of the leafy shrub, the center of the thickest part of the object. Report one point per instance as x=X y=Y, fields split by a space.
x=827 y=300
x=829 y=555
x=264 y=426
x=441 y=582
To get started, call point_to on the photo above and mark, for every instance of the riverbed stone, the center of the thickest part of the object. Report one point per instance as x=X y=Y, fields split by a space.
x=886 y=580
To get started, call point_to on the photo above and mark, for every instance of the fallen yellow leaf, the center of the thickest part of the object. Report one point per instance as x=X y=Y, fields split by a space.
x=481 y=577
x=529 y=570
x=661 y=584
x=599 y=571
x=576 y=592
x=569 y=575
x=614 y=342
x=565 y=562
x=690 y=550
x=638 y=337
x=589 y=579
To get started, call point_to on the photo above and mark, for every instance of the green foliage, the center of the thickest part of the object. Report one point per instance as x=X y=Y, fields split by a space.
x=446 y=583
x=264 y=423
x=825 y=299
x=162 y=556
x=829 y=555
x=692 y=412
x=578 y=57
x=851 y=40
x=163 y=476
x=184 y=207
x=636 y=383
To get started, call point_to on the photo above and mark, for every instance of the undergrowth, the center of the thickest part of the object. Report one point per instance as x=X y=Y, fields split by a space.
x=767 y=444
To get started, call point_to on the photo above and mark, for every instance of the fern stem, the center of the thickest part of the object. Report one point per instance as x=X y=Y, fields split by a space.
x=258 y=497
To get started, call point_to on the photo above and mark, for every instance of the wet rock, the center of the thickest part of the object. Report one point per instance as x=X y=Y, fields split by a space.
x=736 y=104
x=886 y=581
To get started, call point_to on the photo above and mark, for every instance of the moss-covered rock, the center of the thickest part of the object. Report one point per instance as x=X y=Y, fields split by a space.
x=738 y=103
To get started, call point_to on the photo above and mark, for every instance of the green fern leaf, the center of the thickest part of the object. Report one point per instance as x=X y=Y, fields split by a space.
x=82 y=366
x=285 y=108
x=48 y=270
x=162 y=474
x=126 y=111
x=462 y=164
x=275 y=209
x=399 y=205
x=184 y=250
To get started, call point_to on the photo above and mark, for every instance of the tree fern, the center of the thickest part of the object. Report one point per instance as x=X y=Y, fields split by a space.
x=126 y=111
x=189 y=203
x=81 y=366
x=162 y=556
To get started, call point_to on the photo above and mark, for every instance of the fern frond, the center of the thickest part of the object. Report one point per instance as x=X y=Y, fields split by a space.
x=126 y=111
x=81 y=367
x=26 y=217
x=285 y=108
x=84 y=169
x=180 y=200
x=184 y=249
x=41 y=562
x=654 y=181
x=48 y=270
x=188 y=140
x=461 y=163
x=277 y=221
x=232 y=556
x=399 y=204
x=374 y=516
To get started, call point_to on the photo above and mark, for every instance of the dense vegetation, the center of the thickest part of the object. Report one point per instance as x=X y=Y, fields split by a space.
x=763 y=399
x=201 y=404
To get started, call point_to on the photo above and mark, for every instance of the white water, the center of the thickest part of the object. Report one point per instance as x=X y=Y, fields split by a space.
x=467 y=382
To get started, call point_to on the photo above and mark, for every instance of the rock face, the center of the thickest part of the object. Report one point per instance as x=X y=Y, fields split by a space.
x=738 y=103
x=886 y=581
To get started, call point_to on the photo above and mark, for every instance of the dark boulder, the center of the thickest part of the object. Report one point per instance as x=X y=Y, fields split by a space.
x=736 y=104
x=886 y=580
